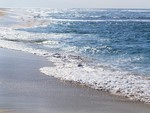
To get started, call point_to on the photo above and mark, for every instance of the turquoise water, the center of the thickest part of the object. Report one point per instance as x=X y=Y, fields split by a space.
x=118 y=38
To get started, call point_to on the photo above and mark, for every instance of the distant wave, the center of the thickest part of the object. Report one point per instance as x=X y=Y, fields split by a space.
x=105 y=20
x=137 y=10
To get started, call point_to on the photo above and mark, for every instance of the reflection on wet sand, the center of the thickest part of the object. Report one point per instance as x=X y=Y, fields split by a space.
x=2 y=13
x=1 y=111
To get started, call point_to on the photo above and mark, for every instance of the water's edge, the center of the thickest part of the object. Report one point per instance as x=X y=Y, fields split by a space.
x=73 y=67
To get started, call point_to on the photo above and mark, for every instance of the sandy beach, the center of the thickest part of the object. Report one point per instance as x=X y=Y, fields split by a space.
x=23 y=89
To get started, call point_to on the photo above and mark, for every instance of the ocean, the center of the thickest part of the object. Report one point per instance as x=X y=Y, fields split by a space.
x=106 y=49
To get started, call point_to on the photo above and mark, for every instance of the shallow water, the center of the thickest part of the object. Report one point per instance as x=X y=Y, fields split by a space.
x=118 y=38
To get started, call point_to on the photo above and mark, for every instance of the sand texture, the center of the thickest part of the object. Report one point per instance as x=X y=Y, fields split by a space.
x=23 y=89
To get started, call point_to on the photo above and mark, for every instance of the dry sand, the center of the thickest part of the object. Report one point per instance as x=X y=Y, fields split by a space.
x=24 y=89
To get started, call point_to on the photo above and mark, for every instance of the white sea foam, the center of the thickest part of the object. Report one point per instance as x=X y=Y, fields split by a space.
x=12 y=39
x=116 y=82
x=22 y=47
x=101 y=20
x=139 y=11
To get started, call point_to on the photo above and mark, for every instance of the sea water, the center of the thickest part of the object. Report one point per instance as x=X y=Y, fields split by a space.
x=107 y=49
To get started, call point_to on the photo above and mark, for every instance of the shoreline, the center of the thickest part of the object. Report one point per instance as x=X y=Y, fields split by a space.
x=34 y=92
x=33 y=89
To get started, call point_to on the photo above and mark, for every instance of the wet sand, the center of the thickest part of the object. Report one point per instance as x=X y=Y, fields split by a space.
x=23 y=89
